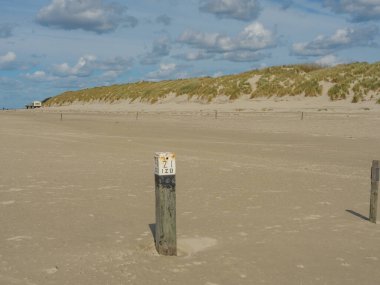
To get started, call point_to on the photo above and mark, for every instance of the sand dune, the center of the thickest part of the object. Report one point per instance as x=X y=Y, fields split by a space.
x=175 y=104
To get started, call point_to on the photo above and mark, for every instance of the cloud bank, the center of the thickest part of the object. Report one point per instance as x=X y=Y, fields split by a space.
x=243 y=10
x=168 y=70
x=7 y=61
x=161 y=48
x=341 y=39
x=88 y=15
x=359 y=10
x=88 y=65
x=241 y=48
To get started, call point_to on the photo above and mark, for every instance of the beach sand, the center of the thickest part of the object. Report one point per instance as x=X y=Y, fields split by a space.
x=262 y=197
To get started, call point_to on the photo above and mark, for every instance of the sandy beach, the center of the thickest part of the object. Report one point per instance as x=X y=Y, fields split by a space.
x=262 y=197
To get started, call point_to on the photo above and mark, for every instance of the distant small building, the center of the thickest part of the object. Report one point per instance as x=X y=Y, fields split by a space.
x=33 y=105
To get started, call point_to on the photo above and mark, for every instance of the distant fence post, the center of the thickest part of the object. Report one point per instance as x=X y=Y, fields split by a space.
x=374 y=191
x=61 y=117
x=137 y=115
x=302 y=116
x=165 y=184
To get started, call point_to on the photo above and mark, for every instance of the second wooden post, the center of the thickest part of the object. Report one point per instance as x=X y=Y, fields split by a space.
x=165 y=232
x=374 y=191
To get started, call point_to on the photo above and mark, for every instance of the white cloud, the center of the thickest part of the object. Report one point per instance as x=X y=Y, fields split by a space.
x=195 y=55
x=164 y=71
x=37 y=75
x=328 y=60
x=244 y=10
x=341 y=39
x=40 y=76
x=110 y=74
x=245 y=56
x=8 y=60
x=87 y=65
x=218 y=74
x=202 y=40
x=167 y=71
x=83 y=68
x=359 y=10
x=89 y=15
x=254 y=37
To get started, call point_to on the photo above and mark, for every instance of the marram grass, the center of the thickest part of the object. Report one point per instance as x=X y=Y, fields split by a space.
x=357 y=81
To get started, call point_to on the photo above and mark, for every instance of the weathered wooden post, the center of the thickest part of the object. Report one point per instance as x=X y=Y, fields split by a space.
x=137 y=115
x=61 y=117
x=302 y=116
x=374 y=191
x=166 y=233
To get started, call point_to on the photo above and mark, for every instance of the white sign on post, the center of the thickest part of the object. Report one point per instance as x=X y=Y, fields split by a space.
x=164 y=163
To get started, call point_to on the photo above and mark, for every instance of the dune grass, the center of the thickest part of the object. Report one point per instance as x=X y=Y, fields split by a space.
x=359 y=81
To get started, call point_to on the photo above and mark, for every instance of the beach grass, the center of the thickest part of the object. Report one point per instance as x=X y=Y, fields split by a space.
x=355 y=81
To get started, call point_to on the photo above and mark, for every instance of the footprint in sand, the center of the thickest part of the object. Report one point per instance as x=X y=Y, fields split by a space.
x=185 y=246
x=312 y=217
x=19 y=238
x=51 y=270
x=189 y=246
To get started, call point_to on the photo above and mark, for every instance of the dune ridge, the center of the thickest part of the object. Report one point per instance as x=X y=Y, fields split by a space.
x=351 y=83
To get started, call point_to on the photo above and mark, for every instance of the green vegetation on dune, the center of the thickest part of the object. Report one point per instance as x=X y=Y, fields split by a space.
x=288 y=80
x=357 y=81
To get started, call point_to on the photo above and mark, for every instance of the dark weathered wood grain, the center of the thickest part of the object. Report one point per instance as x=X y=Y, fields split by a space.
x=165 y=235
x=374 y=191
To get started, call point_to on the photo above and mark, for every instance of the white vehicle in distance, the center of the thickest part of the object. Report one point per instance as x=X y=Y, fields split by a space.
x=33 y=105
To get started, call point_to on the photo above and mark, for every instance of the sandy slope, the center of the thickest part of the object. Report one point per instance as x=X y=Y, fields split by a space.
x=262 y=198
x=174 y=103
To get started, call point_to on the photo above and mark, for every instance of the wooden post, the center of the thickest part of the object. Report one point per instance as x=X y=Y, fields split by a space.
x=137 y=115
x=374 y=191
x=302 y=116
x=61 y=117
x=166 y=233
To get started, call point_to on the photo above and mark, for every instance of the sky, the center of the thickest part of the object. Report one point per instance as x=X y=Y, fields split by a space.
x=51 y=46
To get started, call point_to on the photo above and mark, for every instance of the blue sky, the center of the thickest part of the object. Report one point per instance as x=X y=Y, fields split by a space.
x=50 y=46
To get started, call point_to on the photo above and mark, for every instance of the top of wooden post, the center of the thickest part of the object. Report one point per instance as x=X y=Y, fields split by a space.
x=164 y=163
x=375 y=171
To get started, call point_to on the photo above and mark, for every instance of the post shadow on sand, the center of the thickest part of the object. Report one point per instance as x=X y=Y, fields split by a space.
x=357 y=215
x=153 y=230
